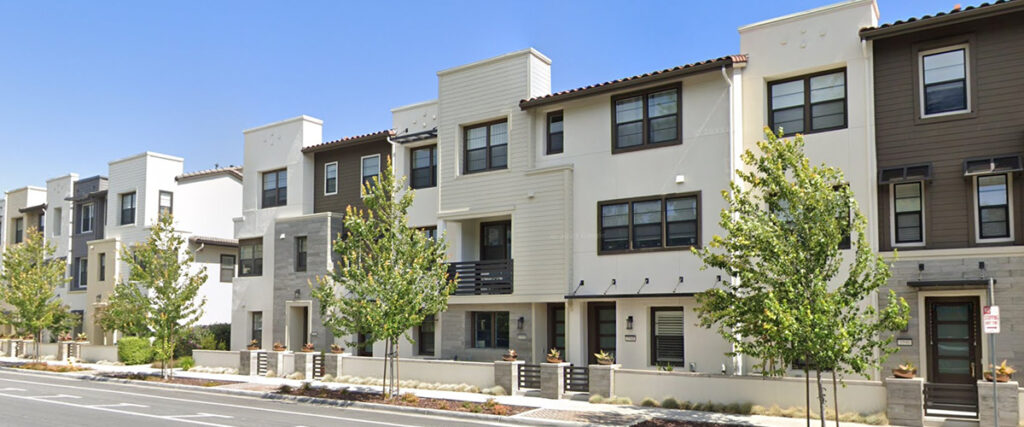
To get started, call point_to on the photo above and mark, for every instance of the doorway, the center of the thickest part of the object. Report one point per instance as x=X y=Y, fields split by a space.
x=954 y=355
x=601 y=329
x=496 y=240
x=298 y=327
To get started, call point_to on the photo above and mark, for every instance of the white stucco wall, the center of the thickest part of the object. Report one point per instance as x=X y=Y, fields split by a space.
x=59 y=230
x=414 y=118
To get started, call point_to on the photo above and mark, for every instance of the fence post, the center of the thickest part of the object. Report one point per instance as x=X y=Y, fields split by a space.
x=552 y=380
x=333 y=363
x=1007 y=404
x=506 y=375
x=904 y=401
x=275 y=362
x=602 y=379
x=304 y=364
x=248 y=362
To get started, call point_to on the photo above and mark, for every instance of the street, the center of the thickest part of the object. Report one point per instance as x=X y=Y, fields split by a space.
x=30 y=399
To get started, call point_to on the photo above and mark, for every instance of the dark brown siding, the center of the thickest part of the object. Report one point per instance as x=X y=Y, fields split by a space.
x=349 y=174
x=995 y=127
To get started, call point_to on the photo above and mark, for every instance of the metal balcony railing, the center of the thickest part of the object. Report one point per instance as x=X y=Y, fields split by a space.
x=491 y=277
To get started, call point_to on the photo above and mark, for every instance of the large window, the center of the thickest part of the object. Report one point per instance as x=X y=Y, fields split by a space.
x=227 y=268
x=300 y=253
x=81 y=273
x=490 y=329
x=486 y=147
x=646 y=119
x=667 y=335
x=256 y=326
x=555 y=133
x=103 y=267
x=250 y=255
x=424 y=167
x=663 y=222
x=806 y=104
x=944 y=88
x=19 y=230
x=86 y=218
x=331 y=179
x=128 y=208
x=370 y=169
x=166 y=203
x=908 y=210
x=425 y=341
x=993 y=207
x=275 y=188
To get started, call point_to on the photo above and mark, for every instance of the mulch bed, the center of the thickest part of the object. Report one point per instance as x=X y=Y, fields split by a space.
x=43 y=366
x=201 y=382
x=491 y=407
x=661 y=422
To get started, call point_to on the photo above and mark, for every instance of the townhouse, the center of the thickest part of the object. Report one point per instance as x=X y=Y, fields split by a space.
x=949 y=128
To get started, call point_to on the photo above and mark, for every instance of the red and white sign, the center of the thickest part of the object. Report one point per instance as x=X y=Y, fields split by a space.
x=990 y=319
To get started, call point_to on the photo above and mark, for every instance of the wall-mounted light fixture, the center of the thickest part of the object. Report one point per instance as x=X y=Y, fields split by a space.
x=99 y=297
x=519 y=323
x=578 y=287
x=920 y=267
x=298 y=293
x=647 y=280
x=981 y=265
x=680 y=282
x=609 y=287
x=629 y=322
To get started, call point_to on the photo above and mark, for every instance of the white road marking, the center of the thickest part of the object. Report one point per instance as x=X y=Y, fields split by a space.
x=200 y=415
x=56 y=396
x=12 y=389
x=138 y=414
x=121 y=405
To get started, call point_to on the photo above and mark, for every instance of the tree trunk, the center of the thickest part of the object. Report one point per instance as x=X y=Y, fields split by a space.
x=807 y=393
x=384 y=380
x=398 y=377
x=835 y=395
x=821 y=397
x=39 y=337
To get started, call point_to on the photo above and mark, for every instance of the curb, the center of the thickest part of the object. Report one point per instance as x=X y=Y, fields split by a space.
x=515 y=419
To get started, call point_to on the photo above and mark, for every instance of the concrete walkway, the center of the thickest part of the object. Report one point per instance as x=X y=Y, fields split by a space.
x=574 y=410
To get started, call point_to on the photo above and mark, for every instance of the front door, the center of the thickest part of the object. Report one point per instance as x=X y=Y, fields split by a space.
x=601 y=337
x=496 y=240
x=556 y=327
x=954 y=355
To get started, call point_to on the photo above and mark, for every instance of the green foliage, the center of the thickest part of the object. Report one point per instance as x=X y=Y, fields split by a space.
x=134 y=351
x=28 y=286
x=126 y=311
x=390 y=276
x=669 y=403
x=185 y=363
x=649 y=402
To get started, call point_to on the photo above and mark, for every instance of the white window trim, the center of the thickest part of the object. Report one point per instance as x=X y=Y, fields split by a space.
x=83 y=273
x=120 y=209
x=967 y=78
x=81 y=228
x=892 y=217
x=1009 y=208
x=336 y=177
x=362 y=173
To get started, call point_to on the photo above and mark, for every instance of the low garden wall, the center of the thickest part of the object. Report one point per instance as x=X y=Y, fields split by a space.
x=480 y=374
x=45 y=349
x=216 y=358
x=96 y=353
x=865 y=397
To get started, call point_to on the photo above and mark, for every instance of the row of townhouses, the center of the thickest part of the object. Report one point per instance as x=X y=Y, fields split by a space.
x=570 y=216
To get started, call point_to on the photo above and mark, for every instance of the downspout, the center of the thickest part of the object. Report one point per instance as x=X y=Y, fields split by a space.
x=867 y=52
x=735 y=148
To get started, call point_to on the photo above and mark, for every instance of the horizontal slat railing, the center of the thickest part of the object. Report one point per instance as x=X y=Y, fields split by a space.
x=951 y=397
x=490 y=277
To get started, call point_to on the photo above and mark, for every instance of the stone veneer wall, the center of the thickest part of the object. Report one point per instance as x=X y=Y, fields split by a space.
x=456 y=330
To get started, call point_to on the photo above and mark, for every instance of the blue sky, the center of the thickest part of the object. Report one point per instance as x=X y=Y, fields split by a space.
x=83 y=83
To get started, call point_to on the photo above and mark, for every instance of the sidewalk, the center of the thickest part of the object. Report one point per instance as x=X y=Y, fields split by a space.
x=565 y=411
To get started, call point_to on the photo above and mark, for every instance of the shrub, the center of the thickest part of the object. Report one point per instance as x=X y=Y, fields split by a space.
x=621 y=401
x=284 y=389
x=410 y=398
x=500 y=410
x=490 y=403
x=649 y=402
x=443 y=405
x=596 y=398
x=669 y=403
x=186 y=363
x=472 y=407
x=134 y=351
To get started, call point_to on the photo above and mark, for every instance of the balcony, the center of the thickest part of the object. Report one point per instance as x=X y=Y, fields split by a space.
x=490 y=277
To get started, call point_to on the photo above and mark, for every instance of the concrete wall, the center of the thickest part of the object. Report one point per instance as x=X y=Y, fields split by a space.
x=439 y=371
x=96 y=353
x=216 y=359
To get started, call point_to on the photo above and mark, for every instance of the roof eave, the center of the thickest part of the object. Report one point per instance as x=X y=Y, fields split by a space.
x=923 y=24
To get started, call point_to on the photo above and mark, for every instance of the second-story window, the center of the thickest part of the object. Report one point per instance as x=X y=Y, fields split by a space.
x=944 y=88
x=424 y=167
x=83 y=273
x=300 y=253
x=555 y=133
x=908 y=209
x=86 y=218
x=227 y=268
x=166 y=203
x=41 y=222
x=275 y=188
x=103 y=267
x=665 y=222
x=370 y=169
x=646 y=119
x=250 y=255
x=993 y=207
x=486 y=147
x=811 y=103
x=331 y=179
x=19 y=230
x=128 y=208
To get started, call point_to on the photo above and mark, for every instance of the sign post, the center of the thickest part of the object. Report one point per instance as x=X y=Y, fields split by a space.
x=990 y=322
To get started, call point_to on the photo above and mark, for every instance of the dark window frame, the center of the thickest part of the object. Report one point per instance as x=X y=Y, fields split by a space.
x=365 y=180
x=654 y=336
x=328 y=179
x=896 y=213
x=102 y=267
x=429 y=231
x=280 y=194
x=922 y=86
x=664 y=223
x=231 y=270
x=301 y=253
x=494 y=318
x=19 y=230
x=81 y=273
x=255 y=332
x=255 y=264
x=41 y=221
x=549 y=148
x=425 y=347
x=553 y=327
x=432 y=153
x=807 y=105
x=646 y=119
x=160 y=203
x=487 y=146
x=84 y=220
x=130 y=211
x=1007 y=183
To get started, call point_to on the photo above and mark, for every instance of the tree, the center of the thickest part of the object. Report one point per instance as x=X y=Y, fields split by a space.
x=28 y=285
x=789 y=300
x=126 y=311
x=390 y=276
x=160 y=270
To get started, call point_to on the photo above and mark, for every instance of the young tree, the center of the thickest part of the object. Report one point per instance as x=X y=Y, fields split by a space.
x=390 y=276
x=28 y=285
x=160 y=270
x=788 y=301
x=126 y=311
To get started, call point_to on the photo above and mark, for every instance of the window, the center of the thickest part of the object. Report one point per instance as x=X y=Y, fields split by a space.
x=430 y=232
x=944 y=81
x=993 y=207
x=250 y=255
x=128 y=208
x=257 y=327
x=331 y=179
x=666 y=222
x=300 y=253
x=275 y=188
x=486 y=147
x=57 y=215
x=81 y=273
x=166 y=203
x=908 y=210
x=667 y=335
x=103 y=267
x=41 y=222
x=554 y=140
x=86 y=218
x=227 y=268
x=370 y=166
x=806 y=104
x=19 y=230
x=490 y=329
x=424 y=167
x=426 y=336
x=646 y=119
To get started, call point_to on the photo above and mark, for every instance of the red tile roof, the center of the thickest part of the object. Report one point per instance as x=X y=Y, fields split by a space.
x=957 y=14
x=383 y=134
x=235 y=171
x=645 y=78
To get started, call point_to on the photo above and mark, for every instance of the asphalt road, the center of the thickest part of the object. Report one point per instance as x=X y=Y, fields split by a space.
x=29 y=399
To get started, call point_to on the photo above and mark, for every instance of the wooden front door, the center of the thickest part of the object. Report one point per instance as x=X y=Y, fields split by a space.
x=601 y=328
x=954 y=352
x=495 y=240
